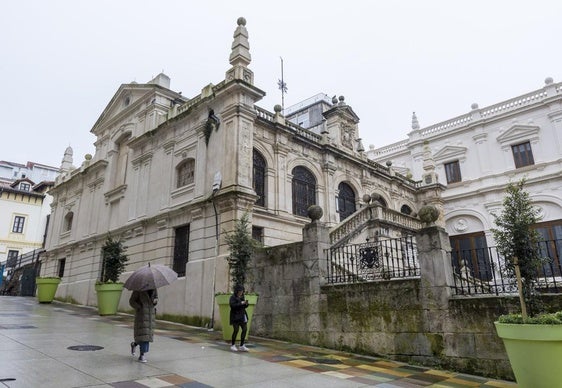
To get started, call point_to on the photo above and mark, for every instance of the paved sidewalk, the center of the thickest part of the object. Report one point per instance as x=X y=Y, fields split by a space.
x=62 y=345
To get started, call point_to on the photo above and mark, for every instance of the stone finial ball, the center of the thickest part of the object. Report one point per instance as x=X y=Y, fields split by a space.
x=474 y=106
x=88 y=157
x=548 y=80
x=366 y=198
x=428 y=214
x=388 y=163
x=315 y=212
x=341 y=98
x=375 y=197
x=277 y=108
x=241 y=21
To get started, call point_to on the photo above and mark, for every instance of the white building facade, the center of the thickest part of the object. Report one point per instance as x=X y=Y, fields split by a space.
x=477 y=154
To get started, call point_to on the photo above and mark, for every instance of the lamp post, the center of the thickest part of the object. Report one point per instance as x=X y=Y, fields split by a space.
x=217 y=181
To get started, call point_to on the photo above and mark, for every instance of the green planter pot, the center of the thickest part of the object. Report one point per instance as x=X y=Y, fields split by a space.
x=224 y=312
x=46 y=289
x=109 y=295
x=535 y=353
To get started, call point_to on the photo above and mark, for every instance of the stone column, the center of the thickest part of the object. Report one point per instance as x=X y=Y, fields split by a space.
x=313 y=271
x=316 y=239
x=434 y=256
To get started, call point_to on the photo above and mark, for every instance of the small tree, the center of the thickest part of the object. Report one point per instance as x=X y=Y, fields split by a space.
x=114 y=260
x=242 y=246
x=518 y=244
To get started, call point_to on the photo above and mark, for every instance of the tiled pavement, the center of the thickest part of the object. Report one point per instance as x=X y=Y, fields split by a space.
x=342 y=369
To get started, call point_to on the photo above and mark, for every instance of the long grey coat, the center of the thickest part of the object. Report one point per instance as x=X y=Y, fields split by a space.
x=145 y=314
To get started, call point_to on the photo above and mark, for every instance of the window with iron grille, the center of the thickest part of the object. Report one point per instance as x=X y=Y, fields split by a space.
x=181 y=249
x=304 y=190
x=522 y=155
x=453 y=172
x=551 y=246
x=18 y=224
x=346 y=200
x=470 y=252
x=186 y=172
x=259 y=168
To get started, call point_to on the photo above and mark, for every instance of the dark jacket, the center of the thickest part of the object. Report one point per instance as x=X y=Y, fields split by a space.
x=237 y=309
x=145 y=314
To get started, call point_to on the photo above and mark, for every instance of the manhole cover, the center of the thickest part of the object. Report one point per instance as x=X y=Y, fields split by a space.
x=85 y=348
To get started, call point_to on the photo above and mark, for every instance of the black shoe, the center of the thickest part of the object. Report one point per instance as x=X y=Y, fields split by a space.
x=133 y=347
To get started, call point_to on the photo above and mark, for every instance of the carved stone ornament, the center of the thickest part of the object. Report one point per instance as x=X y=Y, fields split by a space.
x=461 y=225
x=347 y=136
x=211 y=124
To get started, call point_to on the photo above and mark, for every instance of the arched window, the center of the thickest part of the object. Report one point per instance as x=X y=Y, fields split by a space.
x=304 y=190
x=406 y=209
x=259 y=169
x=186 y=172
x=382 y=202
x=346 y=200
x=122 y=162
x=68 y=221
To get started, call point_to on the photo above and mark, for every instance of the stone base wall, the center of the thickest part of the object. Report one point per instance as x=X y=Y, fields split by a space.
x=395 y=319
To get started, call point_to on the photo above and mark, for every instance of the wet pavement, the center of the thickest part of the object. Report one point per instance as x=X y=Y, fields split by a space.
x=63 y=345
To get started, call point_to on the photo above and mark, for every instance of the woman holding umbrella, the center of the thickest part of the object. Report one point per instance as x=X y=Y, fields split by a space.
x=144 y=282
x=144 y=303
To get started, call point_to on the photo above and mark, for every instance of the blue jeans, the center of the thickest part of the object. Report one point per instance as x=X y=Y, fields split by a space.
x=143 y=347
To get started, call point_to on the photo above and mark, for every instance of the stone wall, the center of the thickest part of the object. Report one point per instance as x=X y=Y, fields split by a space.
x=413 y=320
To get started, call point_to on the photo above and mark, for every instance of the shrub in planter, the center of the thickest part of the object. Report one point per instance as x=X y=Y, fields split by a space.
x=242 y=247
x=108 y=288
x=533 y=332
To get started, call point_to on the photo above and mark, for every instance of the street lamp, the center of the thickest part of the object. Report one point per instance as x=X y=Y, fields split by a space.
x=217 y=181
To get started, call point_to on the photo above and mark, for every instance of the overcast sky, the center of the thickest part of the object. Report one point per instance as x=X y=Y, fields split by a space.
x=62 y=61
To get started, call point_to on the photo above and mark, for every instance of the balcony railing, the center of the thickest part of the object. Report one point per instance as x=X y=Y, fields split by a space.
x=379 y=260
x=483 y=271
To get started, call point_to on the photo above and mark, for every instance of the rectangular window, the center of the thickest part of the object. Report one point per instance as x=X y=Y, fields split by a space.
x=181 y=249
x=25 y=186
x=257 y=233
x=522 y=155
x=62 y=263
x=453 y=172
x=18 y=224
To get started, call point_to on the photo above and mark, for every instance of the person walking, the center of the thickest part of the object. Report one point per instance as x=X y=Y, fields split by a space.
x=238 y=318
x=144 y=303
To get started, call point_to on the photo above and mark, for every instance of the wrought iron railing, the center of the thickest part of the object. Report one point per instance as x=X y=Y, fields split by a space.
x=371 y=261
x=483 y=271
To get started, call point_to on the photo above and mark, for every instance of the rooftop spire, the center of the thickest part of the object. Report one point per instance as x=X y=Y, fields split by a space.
x=66 y=164
x=240 y=54
x=415 y=123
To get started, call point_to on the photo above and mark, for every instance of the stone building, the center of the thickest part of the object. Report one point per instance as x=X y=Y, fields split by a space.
x=171 y=175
